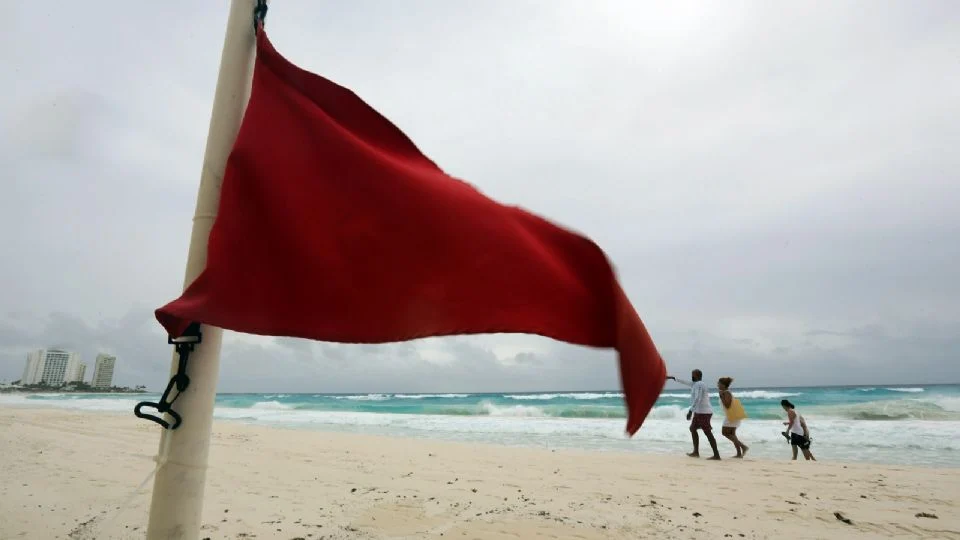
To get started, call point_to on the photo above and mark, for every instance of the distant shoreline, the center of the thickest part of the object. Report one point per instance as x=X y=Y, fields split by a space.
x=13 y=390
x=21 y=390
x=677 y=387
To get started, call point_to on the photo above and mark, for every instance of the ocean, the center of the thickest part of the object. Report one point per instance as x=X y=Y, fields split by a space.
x=910 y=425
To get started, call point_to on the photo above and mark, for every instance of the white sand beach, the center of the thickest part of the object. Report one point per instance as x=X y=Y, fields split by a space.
x=73 y=475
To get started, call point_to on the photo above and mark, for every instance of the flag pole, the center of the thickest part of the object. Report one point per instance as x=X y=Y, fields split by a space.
x=177 y=504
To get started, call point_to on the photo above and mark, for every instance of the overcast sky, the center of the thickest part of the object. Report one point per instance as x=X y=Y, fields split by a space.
x=778 y=184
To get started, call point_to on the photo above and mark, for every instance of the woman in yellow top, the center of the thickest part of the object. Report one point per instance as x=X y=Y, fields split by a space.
x=734 y=415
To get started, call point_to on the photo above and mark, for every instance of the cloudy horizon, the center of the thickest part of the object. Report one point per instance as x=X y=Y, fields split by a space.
x=774 y=183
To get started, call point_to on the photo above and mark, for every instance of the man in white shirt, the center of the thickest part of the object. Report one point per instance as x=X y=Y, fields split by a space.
x=701 y=411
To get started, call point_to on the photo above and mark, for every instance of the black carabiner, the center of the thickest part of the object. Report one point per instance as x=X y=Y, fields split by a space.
x=184 y=345
x=180 y=381
x=166 y=425
x=259 y=14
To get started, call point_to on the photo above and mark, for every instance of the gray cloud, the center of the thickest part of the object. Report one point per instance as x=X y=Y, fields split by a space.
x=468 y=364
x=777 y=185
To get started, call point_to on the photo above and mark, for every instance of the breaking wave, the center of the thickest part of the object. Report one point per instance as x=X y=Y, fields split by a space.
x=765 y=394
x=364 y=397
x=894 y=409
x=569 y=395
x=271 y=406
x=430 y=396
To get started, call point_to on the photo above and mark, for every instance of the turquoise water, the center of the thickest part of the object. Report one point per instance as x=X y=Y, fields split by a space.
x=859 y=403
x=910 y=424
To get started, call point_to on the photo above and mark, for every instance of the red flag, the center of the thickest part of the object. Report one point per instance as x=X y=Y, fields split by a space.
x=333 y=226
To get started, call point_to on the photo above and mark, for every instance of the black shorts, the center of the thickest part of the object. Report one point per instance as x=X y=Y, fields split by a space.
x=799 y=440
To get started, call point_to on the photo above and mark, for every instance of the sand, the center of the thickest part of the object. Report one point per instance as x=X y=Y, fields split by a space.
x=73 y=475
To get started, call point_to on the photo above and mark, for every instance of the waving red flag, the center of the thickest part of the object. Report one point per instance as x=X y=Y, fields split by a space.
x=333 y=226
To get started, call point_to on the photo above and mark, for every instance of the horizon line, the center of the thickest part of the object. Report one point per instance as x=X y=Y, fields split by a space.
x=567 y=391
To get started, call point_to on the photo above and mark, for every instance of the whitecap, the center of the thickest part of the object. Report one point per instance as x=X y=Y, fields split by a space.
x=425 y=396
x=271 y=406
x=511 y=410
x=566 y=395
x=765 y=394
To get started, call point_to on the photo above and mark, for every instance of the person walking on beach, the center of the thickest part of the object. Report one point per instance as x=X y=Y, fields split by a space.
x=700 y=412
x=733 y=415
x=797 y=431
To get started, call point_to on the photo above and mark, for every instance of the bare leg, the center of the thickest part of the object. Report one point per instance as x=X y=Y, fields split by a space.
x=743 y=447
x=730 y=433
x=713 y=444
x=696 y=443
x=794 y=452
x=808 y=455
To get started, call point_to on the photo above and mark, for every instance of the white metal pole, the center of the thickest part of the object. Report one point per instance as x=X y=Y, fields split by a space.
x=177 y=504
